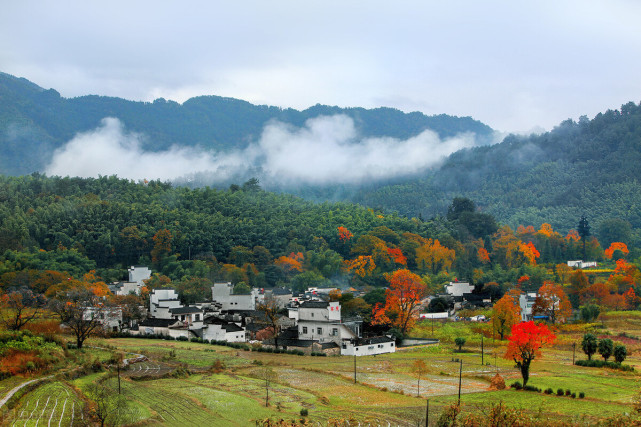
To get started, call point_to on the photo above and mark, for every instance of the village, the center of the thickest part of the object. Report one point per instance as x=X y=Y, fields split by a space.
x=309 y=322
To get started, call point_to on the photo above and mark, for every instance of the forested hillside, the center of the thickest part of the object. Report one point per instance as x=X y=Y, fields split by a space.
x=34 y=122
x=590 y=167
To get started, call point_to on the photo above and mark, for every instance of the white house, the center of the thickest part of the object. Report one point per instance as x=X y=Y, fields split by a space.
x=526 y=301
x=109 y=317
x=441 y=315
x=581 y=264
x=137 y=276
x=190 y=315
x=221 y=330
x=161 y=301
x=321 y=321
x=223 y=293
x=457 y=289
x=368 y=346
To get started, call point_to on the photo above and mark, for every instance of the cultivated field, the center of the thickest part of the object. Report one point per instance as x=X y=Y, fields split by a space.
x=185 y=383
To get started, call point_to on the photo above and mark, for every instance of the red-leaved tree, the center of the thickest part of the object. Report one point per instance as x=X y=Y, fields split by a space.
x=525 y=344
x=402 y=301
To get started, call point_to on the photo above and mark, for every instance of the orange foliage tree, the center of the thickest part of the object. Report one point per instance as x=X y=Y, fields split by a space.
x=362 y=266
x=434 y=257
x=625 y=276
x=525 y=344
x=505 y=314
x=402 y=301
x=483 y=255
x=573 y=235
x=595 y=294
x=290 y=264
x=344 y=235
x=547 y=231
x=616 y=246
x=397 y=255
x=162 y=245
x=551 y=301
x=522 y=231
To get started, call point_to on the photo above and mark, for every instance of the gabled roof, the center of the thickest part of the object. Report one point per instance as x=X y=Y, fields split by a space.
x=232 y=327
x=159 y=323
x=185 y=310
x=314 y=304
x=373 y=340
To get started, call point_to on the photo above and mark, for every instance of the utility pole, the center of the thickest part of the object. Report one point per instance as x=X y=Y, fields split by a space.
x=460 y=374
x=354 y=368
x=573 y=351
x=427 y=413
x=482 y=359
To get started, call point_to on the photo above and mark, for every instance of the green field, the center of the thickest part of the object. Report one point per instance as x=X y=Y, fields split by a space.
x=178 y=386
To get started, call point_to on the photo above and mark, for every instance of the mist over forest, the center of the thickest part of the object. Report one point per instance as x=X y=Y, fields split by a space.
x=407 y=163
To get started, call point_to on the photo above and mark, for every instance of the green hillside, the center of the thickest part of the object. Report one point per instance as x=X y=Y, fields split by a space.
x=34 y=122
x=590 y=167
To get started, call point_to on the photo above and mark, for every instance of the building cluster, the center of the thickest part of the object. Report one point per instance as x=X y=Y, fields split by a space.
x=312 y=323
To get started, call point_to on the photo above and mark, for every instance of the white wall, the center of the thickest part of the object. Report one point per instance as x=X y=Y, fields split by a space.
x=368 y=349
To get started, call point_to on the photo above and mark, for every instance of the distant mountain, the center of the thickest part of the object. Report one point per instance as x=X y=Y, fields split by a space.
x=34 y=122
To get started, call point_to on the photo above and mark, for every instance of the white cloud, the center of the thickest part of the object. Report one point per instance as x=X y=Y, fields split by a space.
x=326 y=150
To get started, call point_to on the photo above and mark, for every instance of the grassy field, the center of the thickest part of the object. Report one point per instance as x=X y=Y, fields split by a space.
x=180 y=384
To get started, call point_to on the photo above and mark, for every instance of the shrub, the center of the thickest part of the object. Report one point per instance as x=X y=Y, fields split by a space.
x=516 y=385
x=549 y=390
x=573 y=395
x=581 y=395
x=304 y=412
x=559 y=392
x=568 y=392
x=604 y=364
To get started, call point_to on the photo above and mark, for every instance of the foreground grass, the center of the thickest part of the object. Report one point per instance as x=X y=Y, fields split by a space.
x=385 y=391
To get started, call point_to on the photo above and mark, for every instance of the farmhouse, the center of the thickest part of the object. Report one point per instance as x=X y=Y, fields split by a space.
x=137 y=276
x=368 y=346
x=223 y=293
x=526 y=302
x=161 y=301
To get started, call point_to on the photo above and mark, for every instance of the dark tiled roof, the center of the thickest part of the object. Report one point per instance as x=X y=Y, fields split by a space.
x=232 y=327
x=185 y=310
x=374 y=340
x=314 y=304
x=160 y=323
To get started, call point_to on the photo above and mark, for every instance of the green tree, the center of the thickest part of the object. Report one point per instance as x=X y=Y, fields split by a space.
x=620 y=353
x=590 y=312
x=460 y=341
x=589 y=345
x=584 y=231
x=614 y=230
x=606 y=347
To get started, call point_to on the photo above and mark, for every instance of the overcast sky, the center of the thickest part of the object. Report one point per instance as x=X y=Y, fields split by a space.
x=513 y=65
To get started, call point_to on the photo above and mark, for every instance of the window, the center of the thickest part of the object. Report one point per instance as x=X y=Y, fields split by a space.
x=304 y=329
x=197 y=317
x=312 y=314
x=335 y=332
x=319 y=331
